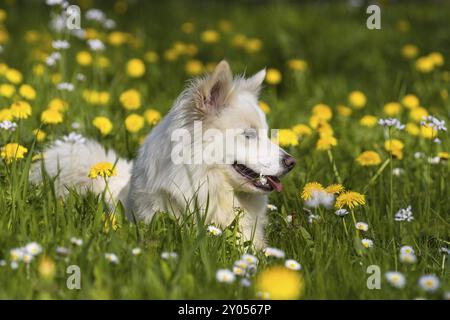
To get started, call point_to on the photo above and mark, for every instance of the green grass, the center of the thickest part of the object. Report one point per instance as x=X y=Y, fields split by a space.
x=342 y=54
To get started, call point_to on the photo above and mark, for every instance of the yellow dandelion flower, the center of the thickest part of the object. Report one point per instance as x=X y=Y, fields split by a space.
x=7 y=90
x=47 y=268
x=428 y=132
x=187 y=27
x=357 y=99
x=412 y=129
x=38 y=69
x=84 y=58
x=309 y=188
x=102 y=62
x=395 y=147
x=14 y=76
x=27 y=92
x=273 y=76
x=5 y=114
x=264 y=107
x=57 y=104
x=287 y=137
x=117 y=38
x=392 y=108
x=39 y=134
x=280 y=283
x=253 y=45
x=20 y=110
x=12 y=151
x=369 y=158
x=210 y=36
x=225 y=25
x=130 y=99
x=410 y=101
x=410 y=51
x=302 y=130
x=297 y=65
x=152 y=116
x=417 y=114
x=102 y=169
x=443 y=155
x=322 y=111
x=350 y=199
x=344 y=110
x=335 y=188
x=135 y=68
x=368 y=121
x=134 y=123
x=326 y=142
x=151 y=57
x=239 y=40
x=51 y=116
x=194 y=67
x=103 y=124
x=424 y=64
x=437 y=58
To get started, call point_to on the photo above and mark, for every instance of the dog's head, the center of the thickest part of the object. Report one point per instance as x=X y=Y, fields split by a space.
x=228 y=107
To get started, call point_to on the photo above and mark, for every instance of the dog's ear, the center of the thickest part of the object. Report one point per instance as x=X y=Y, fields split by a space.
x=217 y=87
x=253 y=84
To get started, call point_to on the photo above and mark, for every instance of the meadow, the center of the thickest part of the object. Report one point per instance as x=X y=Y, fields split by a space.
x=363 y=111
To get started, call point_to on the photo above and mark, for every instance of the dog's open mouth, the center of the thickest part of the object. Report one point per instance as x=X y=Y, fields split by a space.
x=266 y=183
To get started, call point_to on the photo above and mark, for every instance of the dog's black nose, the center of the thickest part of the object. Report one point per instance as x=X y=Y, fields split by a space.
x=289 y=162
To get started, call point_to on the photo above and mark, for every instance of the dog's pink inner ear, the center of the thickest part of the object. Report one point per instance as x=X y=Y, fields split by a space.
x=218 y=87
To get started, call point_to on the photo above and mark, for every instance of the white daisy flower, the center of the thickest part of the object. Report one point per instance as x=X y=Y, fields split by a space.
x=33 y=248
x=81 y=77
x=96 y=45
x=429 y=282
x=434 y=160
x=407 y=250
x=225 y=275
x=65 y=86
x=292 y=264
x=397 y=172
x=8 y=125
x=245 y=282
x=289 y=218
x=53 y=58
x=109 y=24
x=111 y=257
x=2 y=263
x=444 y=250
x=434 y=122
x=169 y=255
x=272 y=207
x=367 y=243
x=76 y=241
x=274 y=252
x=60 y=44
x=136 y=251
x=14 y=265
x=391 y=122
x=313 y=217
x=212 y=230
x=238 y=271
x=396 y=279
x=362 y=226
x=96 y=15
x=404 y=215
x=419 y=155
x=27 y=257
x=249 y=258
x=53 y=2
x=72 y=138
x=341 y=212
x=408 y=258
x=16 y=254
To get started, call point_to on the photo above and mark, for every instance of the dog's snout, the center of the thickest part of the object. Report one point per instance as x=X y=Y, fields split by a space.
x=289 y=162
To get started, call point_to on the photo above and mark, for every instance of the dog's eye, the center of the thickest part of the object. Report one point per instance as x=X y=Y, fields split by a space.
x=250 y=133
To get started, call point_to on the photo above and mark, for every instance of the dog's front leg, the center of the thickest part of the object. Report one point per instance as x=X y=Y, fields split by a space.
x=252 y=228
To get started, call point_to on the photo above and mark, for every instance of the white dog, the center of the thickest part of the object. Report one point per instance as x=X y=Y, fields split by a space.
x=155 y=182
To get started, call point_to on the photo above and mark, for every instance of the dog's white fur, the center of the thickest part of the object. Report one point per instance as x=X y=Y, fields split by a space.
x=154 y=183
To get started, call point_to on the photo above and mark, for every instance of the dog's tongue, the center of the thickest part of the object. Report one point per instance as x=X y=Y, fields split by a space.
x=275 y=183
